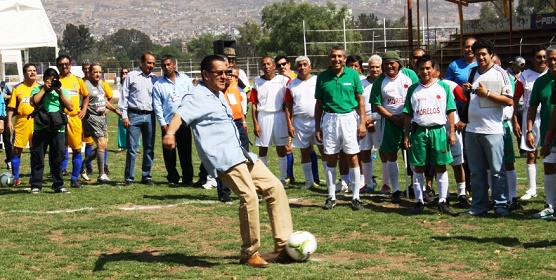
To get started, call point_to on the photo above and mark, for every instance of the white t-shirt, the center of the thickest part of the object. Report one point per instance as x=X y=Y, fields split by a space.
x=302 y=95
x=269 y=95
x=453 y=87
x=394 y=91
x=429 y=103
x=367 y=86
x=527 y=78
x=488 y=120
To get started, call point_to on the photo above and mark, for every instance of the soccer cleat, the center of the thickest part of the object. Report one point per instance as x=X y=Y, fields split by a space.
x=84 y=175
x=356 y=205
x=515 y=205
x=397 y=197
x=385 y=189
x=284 y=184
x=103 y=179
x=35 y=190
x=9 y=166
x=341 y=186
x=418 y=208
x=546 y=213
x=106 y=171
x=65 y=173
x=308 y=185
x=17 y=182
x=367 y=189
x=75 y=184
x=528 y=195
x=61 y=190
x=428 y=194
x=464 y=201
x=444 y=208
x=329 y=204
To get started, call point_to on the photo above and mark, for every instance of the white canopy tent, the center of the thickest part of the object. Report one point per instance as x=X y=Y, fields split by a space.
x=24 y=25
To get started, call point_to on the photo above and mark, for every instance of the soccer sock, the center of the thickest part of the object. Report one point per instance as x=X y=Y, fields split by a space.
x=385 y=178
x=315 y=166
x=344 y=178
x=88 y=151
x=88 y=159
x=16 y=161
x=290 y=162
x=532 y=178
x=65 y=161
x=330 y=182
x=105 y=158
x=461 y=189
x=512 y=183
x=307 y=171
x=324 y=165
x=356 y=183
x=550 y=189
x=264 y=160
x=418 y=182
x=283 y=165
x=489 y=179
x=442 y=183
x=393 y=173
x=100 y=163
x=76 y=161
x=368 y=173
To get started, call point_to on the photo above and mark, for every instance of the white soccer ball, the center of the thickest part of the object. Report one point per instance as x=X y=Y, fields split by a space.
x=7 y=179
x=301 y=245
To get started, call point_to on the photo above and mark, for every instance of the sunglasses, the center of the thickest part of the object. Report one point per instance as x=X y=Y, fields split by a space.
x=283 y=64
x=219 y=73
x=540 y=56
x=63 y=64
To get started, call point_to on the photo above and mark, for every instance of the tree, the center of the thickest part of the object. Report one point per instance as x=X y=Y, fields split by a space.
x=284 y=22
x=531 y=7
x=201 y=46
x=42 y=54
x=129 y=44
x=251 y=33
x=76 y=40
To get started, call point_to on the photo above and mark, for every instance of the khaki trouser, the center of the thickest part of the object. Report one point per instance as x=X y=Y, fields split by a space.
x=247 y=181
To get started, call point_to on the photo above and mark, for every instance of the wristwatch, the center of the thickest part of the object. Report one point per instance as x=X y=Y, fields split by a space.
x=528 y=131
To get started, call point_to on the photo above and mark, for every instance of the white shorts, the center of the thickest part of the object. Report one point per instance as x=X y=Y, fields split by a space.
x=457 y=150
x=536 y=132
x=274 y=129
x=340 y=133
x=372 y=140
x=552 y=157
x=304 y=132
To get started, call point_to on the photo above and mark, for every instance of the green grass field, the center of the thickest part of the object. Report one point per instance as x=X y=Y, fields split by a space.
x=162 y=232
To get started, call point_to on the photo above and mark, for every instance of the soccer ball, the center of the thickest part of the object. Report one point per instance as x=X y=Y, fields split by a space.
x=7 y=179
x=301 y=245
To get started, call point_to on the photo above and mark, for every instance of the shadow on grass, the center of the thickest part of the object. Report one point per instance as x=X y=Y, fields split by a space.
x=504 y=241
x=155 y=257
x=12 y=191
x=539 y=244
x=182 y=196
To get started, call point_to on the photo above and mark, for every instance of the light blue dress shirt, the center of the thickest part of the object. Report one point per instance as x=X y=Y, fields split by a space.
x=167 y=96
x=216 y=136
x=137 y=92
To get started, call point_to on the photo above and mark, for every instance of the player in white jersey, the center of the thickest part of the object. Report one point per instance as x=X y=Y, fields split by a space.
x=388 y=97
x=269 y=119
x=429 y=106
x=523 y=89
x=373 y=138
x=300 y=114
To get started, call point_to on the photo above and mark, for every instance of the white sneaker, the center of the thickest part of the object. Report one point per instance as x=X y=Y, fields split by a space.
x=342 y=186
x=103 y=179
x=528 y=195
x=211 y=183
x=285 y=184
x=84 y=174
x=308 y=185
x=546 y=213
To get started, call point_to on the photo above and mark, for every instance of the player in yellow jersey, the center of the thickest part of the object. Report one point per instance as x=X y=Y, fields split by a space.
x=20 y=107
x=74 y=132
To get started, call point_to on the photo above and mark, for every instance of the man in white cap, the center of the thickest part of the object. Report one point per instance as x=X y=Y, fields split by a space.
x=516 y=66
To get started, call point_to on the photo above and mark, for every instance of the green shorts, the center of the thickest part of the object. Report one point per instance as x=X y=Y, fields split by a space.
x=509 y=153
x=429 y=146
x=392 y=136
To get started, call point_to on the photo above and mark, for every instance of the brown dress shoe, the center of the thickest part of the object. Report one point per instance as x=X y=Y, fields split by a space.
x=256 y=260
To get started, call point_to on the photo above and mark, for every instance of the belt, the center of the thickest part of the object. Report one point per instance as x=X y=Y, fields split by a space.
x=140 y=112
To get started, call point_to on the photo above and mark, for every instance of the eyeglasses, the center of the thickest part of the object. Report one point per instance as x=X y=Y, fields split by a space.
x=219 y=73
x=63 y=64
x=283 y=64
x=125 y=72
x=230 y=73
x=540 y=56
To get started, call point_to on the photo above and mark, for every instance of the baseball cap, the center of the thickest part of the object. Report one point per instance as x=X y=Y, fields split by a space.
x=519 y=61
x=391 y=55
x=230 y=52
